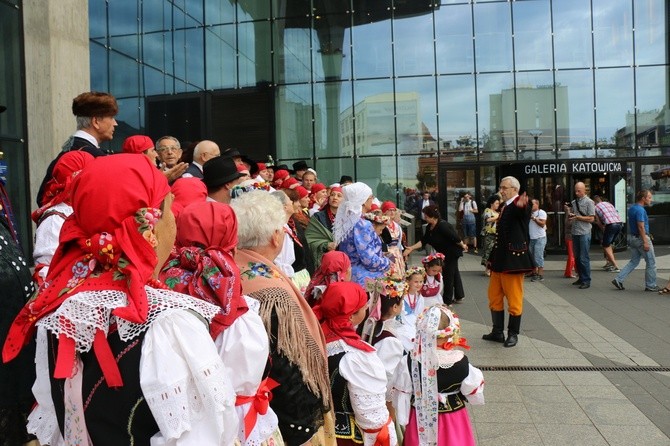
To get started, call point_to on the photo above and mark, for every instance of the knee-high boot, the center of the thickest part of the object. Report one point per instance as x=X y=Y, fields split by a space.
x=496 y=335
x=513 y=327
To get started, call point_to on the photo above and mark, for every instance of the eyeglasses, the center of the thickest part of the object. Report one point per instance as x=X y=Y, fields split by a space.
x=167 y=149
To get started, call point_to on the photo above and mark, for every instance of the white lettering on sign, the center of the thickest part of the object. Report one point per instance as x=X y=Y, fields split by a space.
x=545 y=168
x=596 y=167
x=576 y=167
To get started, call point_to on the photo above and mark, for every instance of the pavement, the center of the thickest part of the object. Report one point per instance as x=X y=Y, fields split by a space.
x=592 y=366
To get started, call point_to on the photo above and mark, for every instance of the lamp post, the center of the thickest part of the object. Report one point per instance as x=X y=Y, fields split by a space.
x=536 y=133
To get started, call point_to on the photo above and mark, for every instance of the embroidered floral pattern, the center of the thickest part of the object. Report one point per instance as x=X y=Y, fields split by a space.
x=147 y=218
x=257 y=269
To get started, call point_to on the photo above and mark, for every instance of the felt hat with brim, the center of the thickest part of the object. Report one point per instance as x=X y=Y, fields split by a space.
x=137 y=144
x=300 y=165
x=219 y=171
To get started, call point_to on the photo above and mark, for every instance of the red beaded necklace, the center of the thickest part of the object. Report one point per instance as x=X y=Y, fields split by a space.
x=155 y=283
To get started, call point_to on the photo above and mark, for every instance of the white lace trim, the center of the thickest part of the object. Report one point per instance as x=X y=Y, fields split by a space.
x=447 y=358
x=82 y=314
x=196 y=395
x=339 y=346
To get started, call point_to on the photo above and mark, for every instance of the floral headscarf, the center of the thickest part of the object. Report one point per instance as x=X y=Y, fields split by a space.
x=340 y=301
x=350 y=210
x=425 y=363
x=203 y=266
x=334 y=265
x=107 y=244
x=59 y=188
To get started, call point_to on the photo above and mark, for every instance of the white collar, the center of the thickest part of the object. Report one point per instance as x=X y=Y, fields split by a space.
x=508 y=202
x=87 y=136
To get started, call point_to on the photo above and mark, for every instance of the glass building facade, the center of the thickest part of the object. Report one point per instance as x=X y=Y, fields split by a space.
x=404 y=94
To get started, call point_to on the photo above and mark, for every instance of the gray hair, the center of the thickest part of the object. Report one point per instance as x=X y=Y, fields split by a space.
x=513 y=182
x=83 y=122
x=259 y=215
x=281 y=196
x=158 y=141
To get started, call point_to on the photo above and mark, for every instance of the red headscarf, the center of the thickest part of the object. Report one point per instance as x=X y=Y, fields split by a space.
x=204 y=267
x=110 y=234
x=187 y=191
x=59 y=188
x=340 y=301
x=137 y=144
x=334 y=265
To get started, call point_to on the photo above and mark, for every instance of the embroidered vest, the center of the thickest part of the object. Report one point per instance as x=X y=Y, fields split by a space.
x=345 y=424
x=113 y=416
x=431 y=289
x=449 y=384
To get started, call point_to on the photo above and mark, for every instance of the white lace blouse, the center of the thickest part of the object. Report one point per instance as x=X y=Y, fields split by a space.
x=177 y=352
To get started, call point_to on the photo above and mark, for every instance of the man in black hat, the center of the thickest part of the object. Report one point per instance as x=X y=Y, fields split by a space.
x=299 y=168
x=220 y=175
x=95 y=114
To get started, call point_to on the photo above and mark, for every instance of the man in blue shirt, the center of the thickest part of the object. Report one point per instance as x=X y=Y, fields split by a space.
x=639 y=242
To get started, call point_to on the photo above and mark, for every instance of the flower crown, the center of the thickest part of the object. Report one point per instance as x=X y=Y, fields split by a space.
x=415 y=270
x=248 y=187
x=432 y=257
x=379 y=219
x=388 y=285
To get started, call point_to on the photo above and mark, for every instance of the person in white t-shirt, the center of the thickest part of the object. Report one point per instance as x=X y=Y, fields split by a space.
x=537 y=230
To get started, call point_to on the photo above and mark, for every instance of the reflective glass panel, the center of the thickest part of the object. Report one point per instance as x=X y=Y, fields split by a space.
x=157 y=50
x=613 y=33
x=122 y=18
x=99 y=68
x=614 y=105
x=416 y=116
x=331 y=170
x=330 y=100
x=413 y=44
x=458 y=117
x=532 y=35
x=219 y=11
x=195 y=9
x=572 y=34
x=372 y=50
x=415 y=173
x=253 y=10
x=651 y=32
x=126 y=45
x=374 y=123
x=124 y=78
x=292 y=57
x=179 y=54
x=154 y=81
x=378 y=172
x=575 y=127
x=128 y=119
x=331 y=43
x=535 y=114
x=294 y=121
x=453 y=39
x=97 y=19
x=493 y=37
x=220 y=54
x=651 y=93
x=194 y=57
x=156 y=16
x=495 y=111
x=253 y=48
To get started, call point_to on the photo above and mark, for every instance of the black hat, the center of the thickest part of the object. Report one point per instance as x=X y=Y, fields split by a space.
x=300 y=165
x=2 y=108
x=253 y=166
x=346 y=179
x=230 y=153
x=281 y=167
x=219 y=171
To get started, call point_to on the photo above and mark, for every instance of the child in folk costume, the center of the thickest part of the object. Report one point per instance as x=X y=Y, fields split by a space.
x=442 y=380
x=357 y=377
x=433 y=286
x=413 y=304
x=335 y=267
x=395 y=247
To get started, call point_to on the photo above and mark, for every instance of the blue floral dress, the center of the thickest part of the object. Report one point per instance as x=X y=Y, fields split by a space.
x=364 y=248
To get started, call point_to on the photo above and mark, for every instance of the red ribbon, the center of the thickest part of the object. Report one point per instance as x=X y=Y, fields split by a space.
x=66 y=358
x=383 y=435
x=260 y=403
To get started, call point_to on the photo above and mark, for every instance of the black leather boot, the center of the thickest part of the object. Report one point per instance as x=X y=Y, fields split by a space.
x=513 y=327
x=496 y=335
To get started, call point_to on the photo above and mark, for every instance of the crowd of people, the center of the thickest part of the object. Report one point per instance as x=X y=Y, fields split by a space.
x=212 y=299
x=220 y=300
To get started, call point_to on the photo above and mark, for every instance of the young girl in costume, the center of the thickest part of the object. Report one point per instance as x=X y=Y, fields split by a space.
x=433 y=286
x=412 y=305
x=442 y=380
x=357 y=377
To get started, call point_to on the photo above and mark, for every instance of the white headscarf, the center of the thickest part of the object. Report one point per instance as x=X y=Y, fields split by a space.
x=425 y=380
x=350 y=210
